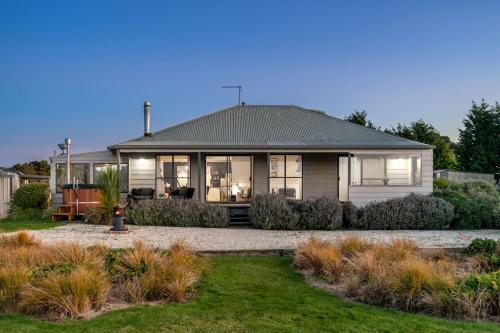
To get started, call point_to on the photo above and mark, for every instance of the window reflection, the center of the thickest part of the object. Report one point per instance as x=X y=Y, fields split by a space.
x=286 y=176
x=228 y=178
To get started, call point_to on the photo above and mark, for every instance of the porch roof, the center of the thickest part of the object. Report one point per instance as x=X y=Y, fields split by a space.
x=267 y=127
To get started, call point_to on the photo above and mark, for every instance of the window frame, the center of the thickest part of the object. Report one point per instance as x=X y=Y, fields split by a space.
x=228 y=167
x=385 y=157
x=284 y=177
x=172 y=162
x=94 y=165
x=64 y=175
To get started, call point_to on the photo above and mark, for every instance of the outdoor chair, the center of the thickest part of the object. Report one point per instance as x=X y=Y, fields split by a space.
x=182 y=193
x=139 y=194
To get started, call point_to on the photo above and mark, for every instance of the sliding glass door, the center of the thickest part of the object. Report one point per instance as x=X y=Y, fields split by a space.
x=228 y=179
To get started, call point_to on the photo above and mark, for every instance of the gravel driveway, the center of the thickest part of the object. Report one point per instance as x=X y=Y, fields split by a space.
x=204 y=239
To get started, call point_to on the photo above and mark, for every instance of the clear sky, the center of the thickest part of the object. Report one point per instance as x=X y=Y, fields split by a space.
x=83 y=69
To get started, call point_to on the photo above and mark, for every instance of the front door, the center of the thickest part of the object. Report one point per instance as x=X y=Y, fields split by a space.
x=228 y=179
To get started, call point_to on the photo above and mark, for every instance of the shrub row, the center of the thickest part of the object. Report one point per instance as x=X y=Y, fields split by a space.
x=270 y=211
x=476 y=203
x=411 y=212
x=178 y=213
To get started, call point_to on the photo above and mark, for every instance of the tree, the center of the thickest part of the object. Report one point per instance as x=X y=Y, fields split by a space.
x=360 y=118
x=33 y=168
x=479 y=142
x=444 y=156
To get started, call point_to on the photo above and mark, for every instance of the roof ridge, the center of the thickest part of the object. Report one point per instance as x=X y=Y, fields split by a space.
x=358 y=125
x=270 y=112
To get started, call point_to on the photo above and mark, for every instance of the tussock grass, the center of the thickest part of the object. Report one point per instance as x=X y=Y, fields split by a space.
x=319 y=258
x=20 y=239
x=149 y=274
x=397 y=274
x=67 y=280
x=59 y=296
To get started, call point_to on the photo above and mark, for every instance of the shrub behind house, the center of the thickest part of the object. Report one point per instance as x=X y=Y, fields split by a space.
x=476 y=203
x=30 y=202
x=34 y=195
x=411 y=212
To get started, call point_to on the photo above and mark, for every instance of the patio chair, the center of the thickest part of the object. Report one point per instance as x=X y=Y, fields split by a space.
x=182 y=193
x=139 y=194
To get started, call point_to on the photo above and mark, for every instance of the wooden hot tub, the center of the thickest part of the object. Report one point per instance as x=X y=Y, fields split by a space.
x=82 y=197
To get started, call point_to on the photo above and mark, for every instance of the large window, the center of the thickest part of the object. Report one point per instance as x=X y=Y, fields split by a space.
x=228 y=178
x=80 y=171
x=100 y=167
x=285 y=173
x=380 y=170
x=173 y=172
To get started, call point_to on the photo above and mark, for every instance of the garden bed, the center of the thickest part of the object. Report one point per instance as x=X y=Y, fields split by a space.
x=454 y=285
x=66 y=280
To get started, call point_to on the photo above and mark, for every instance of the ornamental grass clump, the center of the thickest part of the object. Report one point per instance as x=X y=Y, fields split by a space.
x=399 y=275
x=65 y=295
x=20 y=239
x=319 y=258
x=148 y=274
x=66 y=280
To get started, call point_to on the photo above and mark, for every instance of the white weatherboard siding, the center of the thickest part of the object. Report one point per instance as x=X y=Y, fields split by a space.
x=5 y=186
x=142 y=171
x=361 y=195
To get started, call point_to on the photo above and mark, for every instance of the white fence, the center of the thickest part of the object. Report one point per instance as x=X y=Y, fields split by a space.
x=5 y=194
x=462 y=176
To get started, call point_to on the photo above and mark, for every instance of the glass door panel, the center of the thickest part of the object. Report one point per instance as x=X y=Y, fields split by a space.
x=228 y=178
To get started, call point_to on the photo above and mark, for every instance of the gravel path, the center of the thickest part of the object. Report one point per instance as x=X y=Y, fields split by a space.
x=204 y=239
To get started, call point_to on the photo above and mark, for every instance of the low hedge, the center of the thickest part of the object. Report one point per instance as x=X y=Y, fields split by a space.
x=178 y=213
x=411 y=212
x=476 y=203
x=270 y=211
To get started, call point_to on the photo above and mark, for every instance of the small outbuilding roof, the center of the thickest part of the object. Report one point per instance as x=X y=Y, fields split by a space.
x=269 y=126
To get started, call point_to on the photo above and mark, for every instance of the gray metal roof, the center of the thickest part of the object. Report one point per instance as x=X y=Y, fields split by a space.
x=269 y=126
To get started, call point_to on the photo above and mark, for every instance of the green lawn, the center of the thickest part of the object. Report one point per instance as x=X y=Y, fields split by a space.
x=252 y=294
x=7 y=225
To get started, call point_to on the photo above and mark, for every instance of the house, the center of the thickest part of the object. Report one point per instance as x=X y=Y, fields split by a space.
x=10 y=180
x=230 y=155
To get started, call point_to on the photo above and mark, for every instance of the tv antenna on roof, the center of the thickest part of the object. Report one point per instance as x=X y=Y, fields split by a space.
x=239 y=92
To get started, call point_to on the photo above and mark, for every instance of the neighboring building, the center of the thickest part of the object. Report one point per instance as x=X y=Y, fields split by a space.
x=230 y=155
x=10 y=180
x=462 y=176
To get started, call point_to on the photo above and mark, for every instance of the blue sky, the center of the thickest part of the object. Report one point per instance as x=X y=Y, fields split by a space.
x=83 y=69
